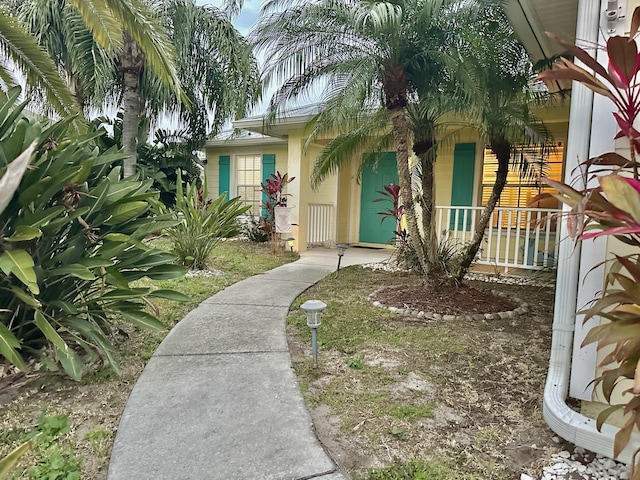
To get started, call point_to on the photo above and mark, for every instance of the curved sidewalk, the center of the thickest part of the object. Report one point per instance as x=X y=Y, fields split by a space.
x=219 y=400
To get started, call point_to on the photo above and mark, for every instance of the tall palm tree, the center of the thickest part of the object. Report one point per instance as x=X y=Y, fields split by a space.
x=372 y=52
x=214 y=65
x=86 y=39
x=218 y=71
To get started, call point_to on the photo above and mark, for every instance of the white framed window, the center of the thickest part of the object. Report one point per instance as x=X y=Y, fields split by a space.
x=248 y=175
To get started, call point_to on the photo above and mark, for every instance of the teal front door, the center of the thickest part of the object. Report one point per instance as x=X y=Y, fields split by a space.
x=374 y=178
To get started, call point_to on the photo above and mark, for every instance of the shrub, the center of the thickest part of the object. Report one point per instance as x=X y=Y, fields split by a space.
x=70 y=244
x=161 y=161
x=201 y=223
x=253 y=229
x=613 y=208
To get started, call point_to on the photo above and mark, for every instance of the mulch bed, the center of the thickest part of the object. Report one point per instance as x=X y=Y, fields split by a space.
x=444 y=299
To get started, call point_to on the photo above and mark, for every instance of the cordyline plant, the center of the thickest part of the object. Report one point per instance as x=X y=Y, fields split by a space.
x=273 y=191
x=391 y=194
x=612 y=208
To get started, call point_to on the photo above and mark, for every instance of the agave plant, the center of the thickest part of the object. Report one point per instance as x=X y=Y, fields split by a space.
x=70 y=244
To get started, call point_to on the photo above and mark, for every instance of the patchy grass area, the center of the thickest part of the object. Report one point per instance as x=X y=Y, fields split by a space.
x=397 y=397
x=93 y=406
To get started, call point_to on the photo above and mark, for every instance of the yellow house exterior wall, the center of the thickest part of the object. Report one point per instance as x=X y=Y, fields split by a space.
x=300 y=164
x=343 y=212
x=213 y=154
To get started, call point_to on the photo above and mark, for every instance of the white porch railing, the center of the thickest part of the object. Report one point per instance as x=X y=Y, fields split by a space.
x=515 y=237
x=320 y=220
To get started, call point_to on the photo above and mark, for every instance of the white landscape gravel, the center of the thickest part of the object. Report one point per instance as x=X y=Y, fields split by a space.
x=581 y=465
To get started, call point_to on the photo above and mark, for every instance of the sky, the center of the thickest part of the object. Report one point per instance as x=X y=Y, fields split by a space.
x=247 y=17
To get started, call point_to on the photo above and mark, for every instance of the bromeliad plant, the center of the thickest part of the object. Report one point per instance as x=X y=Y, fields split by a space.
x=70 y=246
x=201 y=223
x=613 y=208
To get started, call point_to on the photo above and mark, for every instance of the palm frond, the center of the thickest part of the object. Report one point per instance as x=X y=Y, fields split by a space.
x=23 y=51
x=218 y=72
x=142 y=24
x=105 y=27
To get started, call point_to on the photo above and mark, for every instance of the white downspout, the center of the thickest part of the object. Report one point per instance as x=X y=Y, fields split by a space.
x=564 y=421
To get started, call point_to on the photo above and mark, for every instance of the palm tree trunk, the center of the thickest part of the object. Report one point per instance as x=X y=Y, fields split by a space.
x=424 y=147
x=502 y=150
x=132 y=65
x=428 y=209
x=400 y=135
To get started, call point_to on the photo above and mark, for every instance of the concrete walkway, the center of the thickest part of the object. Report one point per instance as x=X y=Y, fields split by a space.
x=219 y=400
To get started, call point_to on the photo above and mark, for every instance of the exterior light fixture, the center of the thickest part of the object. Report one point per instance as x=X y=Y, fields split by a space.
x=289 y=242
x=341 y=249
x=314 y=309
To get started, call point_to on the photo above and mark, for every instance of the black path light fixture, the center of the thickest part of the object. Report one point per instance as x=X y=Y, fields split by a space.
x=314 y=309
x=341 y=249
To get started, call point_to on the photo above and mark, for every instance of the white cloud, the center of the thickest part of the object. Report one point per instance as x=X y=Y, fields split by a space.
x=247 y=18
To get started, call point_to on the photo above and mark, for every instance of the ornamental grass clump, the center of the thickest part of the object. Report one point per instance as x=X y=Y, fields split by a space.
x=70 y=245
x=201 y=223
x=612 y=207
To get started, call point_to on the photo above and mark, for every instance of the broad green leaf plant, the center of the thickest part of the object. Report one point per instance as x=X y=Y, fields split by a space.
x=200 y=222
x=71 y=243
x=613 y=208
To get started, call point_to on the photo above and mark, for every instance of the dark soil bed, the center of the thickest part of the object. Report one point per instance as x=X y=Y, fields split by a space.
x=445 y=300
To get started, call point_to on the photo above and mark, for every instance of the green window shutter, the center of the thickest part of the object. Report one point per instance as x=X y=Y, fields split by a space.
x=268 y=166
x=224 y=169
x=464 y=160
x=268 y=169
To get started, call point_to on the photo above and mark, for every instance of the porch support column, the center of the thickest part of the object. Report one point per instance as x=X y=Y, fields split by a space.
x=593 y=252
x=298 y=167
x=567 y=423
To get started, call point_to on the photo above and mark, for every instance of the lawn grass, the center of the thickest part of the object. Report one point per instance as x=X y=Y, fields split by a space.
x=382 y=377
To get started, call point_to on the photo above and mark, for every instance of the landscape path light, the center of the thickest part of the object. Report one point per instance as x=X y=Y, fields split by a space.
x=341 y=249
x=314 y=309
x=289 y=242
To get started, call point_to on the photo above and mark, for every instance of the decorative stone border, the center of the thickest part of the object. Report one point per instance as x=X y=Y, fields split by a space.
x=522 y=309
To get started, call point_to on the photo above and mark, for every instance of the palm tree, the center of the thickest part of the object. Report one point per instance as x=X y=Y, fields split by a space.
x=504 y=115
x=219 y=74
x=373 y=53
x=434 y=119
x=19 y=49
x=87 y=38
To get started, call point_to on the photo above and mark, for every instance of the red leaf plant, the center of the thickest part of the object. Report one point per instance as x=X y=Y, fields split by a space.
x=612 y=207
